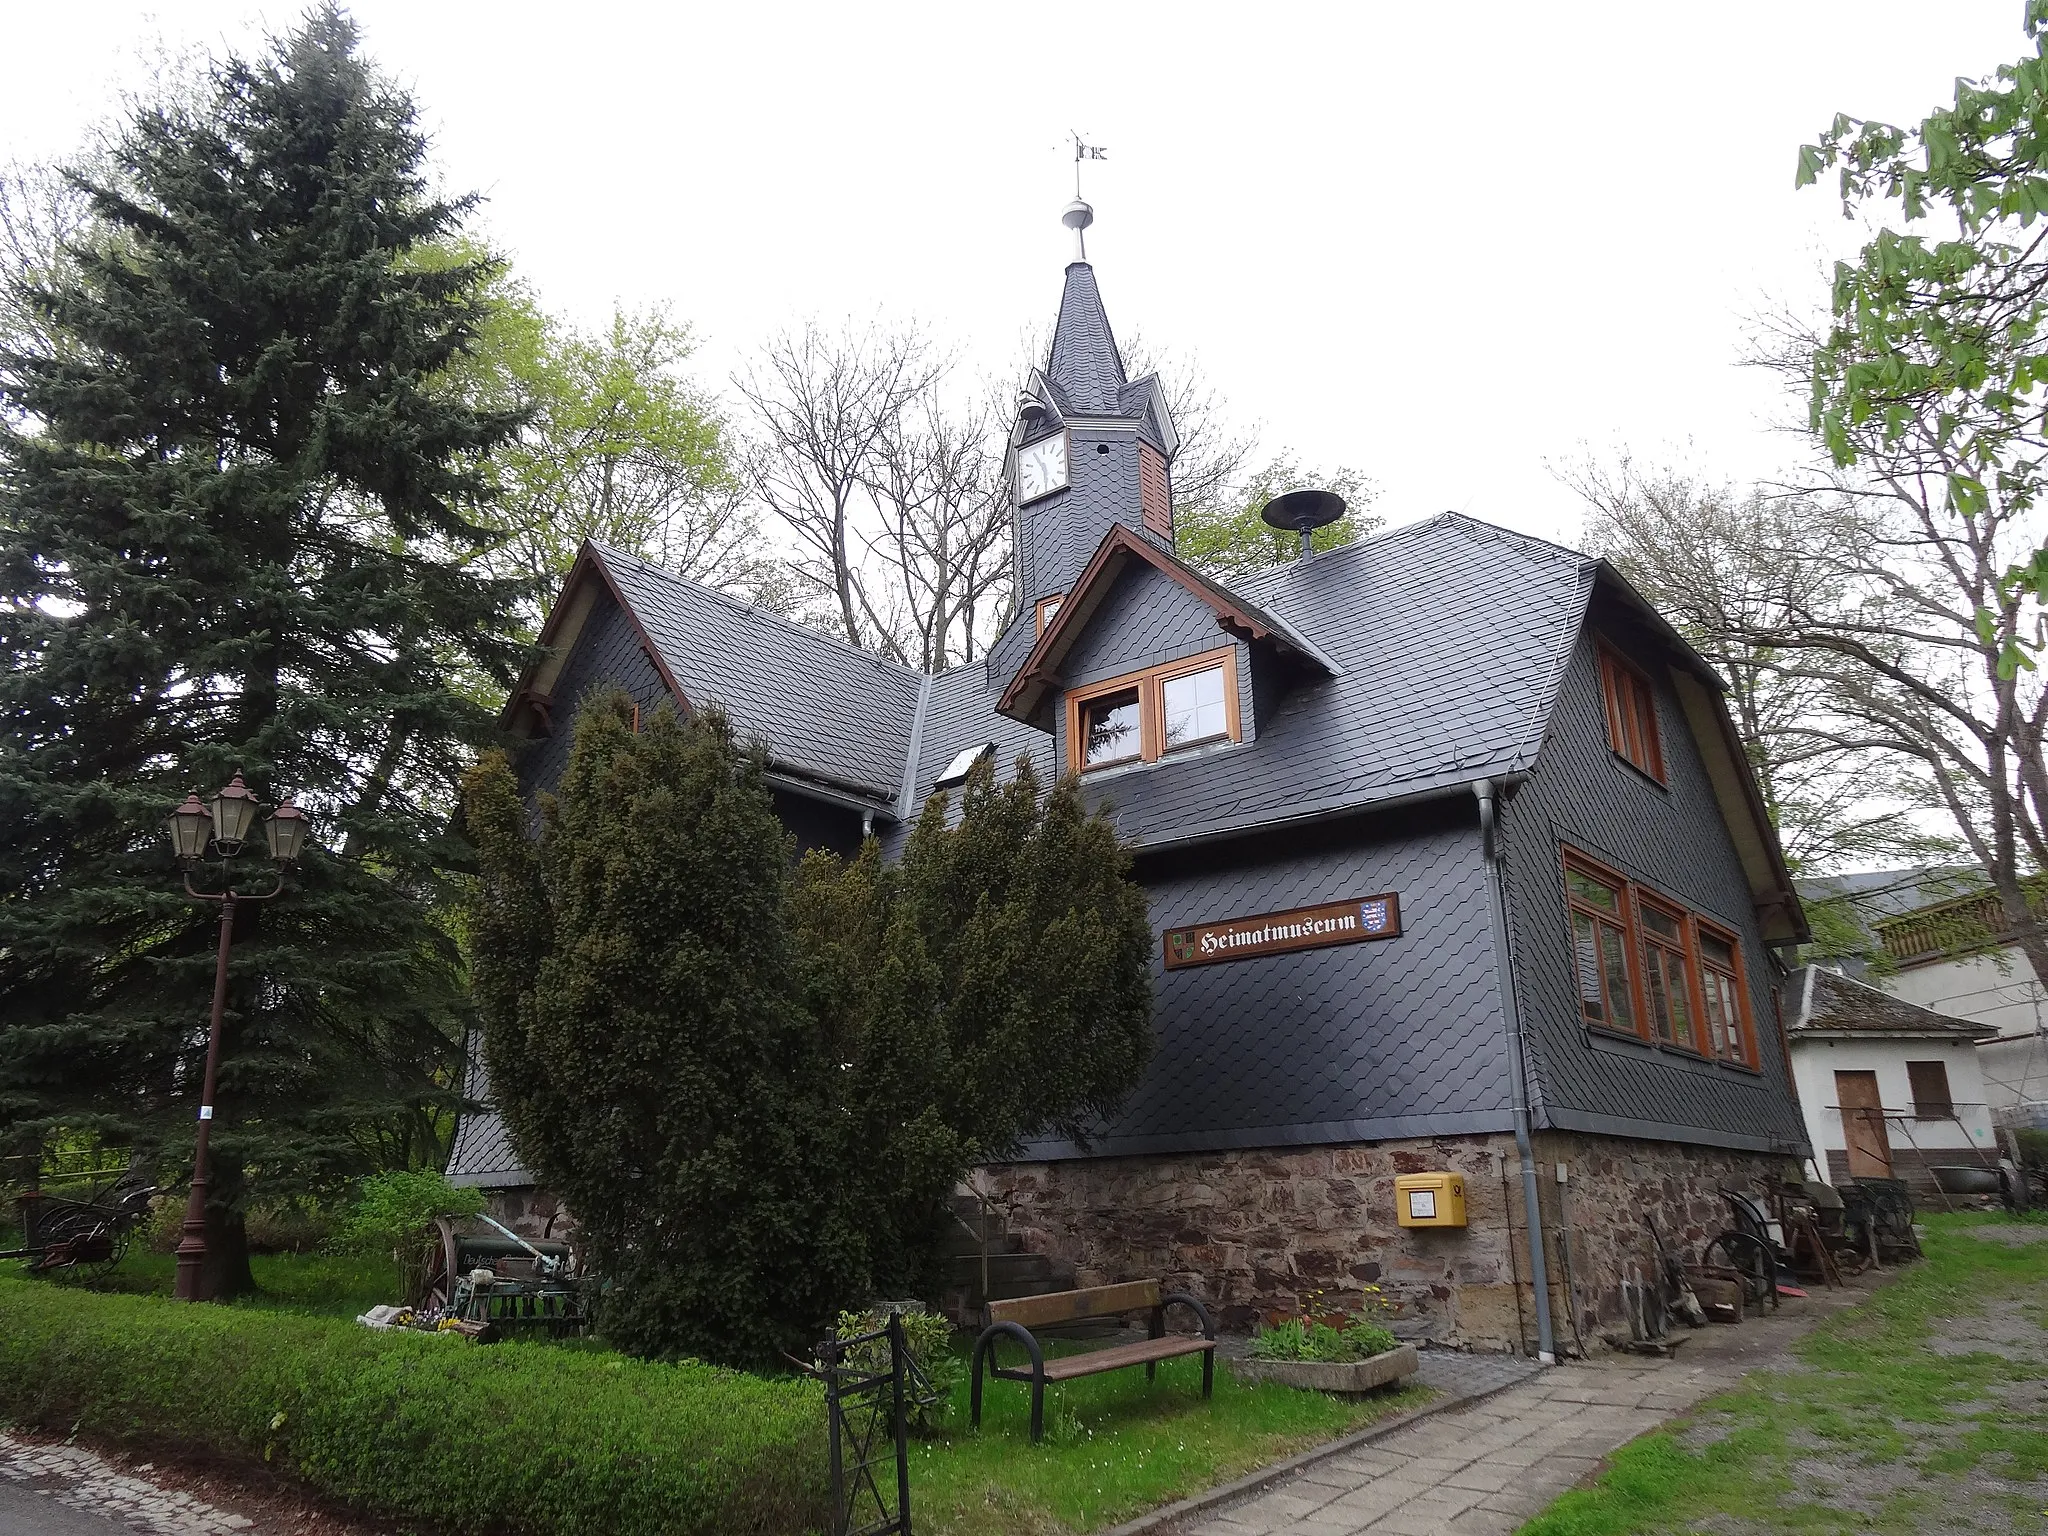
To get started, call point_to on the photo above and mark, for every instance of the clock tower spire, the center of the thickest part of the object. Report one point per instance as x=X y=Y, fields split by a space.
x=1091 y=446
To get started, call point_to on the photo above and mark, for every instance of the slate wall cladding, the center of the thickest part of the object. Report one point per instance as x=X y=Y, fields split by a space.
x=1392 y=1037
x=1256 y=1233
x=1146 y=618
x=1672 y=839
x=607 y=651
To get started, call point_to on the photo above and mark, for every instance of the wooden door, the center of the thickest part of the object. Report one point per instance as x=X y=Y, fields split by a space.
x=1870 y=1151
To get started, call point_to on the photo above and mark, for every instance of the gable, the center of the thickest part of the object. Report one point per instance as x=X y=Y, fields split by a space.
x=1145 y=617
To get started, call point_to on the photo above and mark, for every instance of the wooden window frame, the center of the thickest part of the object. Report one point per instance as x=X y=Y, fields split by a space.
x=1621 y=681
x=1623 y=917
x=1686 y=948
x=1634 y=898
x=1150 y=683
x=1750 y=1055
x=1943 y=1108
x=1039 y=612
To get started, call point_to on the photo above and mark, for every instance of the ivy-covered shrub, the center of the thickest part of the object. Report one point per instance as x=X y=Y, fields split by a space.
x=527 y=1439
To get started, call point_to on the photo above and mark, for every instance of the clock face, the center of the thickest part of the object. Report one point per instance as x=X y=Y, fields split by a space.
x=1042 y=467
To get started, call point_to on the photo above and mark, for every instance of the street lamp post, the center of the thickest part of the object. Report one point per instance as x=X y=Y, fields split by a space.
x=226 y=823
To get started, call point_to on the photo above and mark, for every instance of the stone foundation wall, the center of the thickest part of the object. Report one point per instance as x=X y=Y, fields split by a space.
x=529 y=1212
x=1257 y=1233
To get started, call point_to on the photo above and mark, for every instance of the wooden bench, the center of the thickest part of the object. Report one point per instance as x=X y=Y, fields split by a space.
x=1015 y=1320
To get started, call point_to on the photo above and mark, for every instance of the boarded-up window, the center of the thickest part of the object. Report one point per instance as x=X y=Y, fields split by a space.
x=1155 y=494
x=1931 y=1099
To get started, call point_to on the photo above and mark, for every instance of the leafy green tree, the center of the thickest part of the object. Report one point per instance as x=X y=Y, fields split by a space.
x=1223 y=535
x=1928 y=389
x=229 y=489
x=617 y=446
x=756 y=1086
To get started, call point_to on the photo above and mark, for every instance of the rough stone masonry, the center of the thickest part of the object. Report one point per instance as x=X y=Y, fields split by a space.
x=1257 y=1233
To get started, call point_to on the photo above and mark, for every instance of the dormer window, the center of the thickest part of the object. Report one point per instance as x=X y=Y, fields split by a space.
x=1144 y=716
x=1112 y=728
x=1048 y=607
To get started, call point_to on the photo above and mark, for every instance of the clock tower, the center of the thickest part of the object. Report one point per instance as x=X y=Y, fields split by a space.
x=1090 y=447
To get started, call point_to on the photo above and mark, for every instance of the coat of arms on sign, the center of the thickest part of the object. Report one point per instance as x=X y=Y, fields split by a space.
x=1373 y=915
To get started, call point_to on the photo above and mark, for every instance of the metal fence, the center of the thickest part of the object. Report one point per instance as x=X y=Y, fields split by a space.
x=867 y=1397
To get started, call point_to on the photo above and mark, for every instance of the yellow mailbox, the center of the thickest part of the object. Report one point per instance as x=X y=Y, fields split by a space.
x=1430 y=1199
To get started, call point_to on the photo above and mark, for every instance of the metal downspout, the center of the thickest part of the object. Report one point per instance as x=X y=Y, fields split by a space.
x=1518 y=1075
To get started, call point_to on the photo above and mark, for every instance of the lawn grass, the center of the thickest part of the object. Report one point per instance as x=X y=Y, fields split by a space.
x=1876 y=1431
x=328 y=1285
x=1116 y=1445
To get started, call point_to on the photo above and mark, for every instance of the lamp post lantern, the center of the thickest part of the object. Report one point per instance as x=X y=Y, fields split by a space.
x=225 y=823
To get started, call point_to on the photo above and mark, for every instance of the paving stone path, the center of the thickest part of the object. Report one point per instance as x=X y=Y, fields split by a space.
x=1484 y=1468
x=66 y=1490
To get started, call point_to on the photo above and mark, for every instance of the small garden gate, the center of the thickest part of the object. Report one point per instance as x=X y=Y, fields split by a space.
x=867 y=1410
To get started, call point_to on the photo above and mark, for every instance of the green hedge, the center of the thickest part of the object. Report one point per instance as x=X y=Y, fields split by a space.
x=523 y=1438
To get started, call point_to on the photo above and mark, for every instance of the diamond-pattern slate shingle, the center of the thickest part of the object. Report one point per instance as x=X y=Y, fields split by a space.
x=823 y=708
x=1670 y=838
x=1460 y=652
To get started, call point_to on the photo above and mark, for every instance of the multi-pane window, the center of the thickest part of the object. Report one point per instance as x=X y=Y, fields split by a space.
x=1631 y=714
x=1146 y=715
x=1721 y=990
x=1193 y=709
x=1666 y=976
x=1600 y=942
x=1646 y=966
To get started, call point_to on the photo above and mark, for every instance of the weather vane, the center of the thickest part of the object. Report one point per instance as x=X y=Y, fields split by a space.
x=1085 y=152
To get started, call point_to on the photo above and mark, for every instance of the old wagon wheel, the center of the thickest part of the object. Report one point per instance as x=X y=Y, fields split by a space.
x=1750 y=1258
x=79 y=1241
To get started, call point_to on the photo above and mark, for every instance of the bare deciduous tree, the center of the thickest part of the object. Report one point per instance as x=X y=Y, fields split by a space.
x=823 y=407
x=944 y=538
x=1731 y=569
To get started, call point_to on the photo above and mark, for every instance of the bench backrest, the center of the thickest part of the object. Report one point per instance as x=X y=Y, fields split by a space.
x=1072 y=1306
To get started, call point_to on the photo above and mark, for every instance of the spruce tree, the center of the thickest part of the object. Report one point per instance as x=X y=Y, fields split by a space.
x=235 y=507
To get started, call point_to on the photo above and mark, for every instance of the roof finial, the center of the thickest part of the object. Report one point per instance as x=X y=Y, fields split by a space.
x=1079 y=215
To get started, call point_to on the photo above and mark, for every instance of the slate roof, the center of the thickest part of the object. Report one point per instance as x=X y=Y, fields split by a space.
x=824 y=709
x=1448 y=638
x=1448 y=641
x=483 y=1153
x=1085 y=371
x=1819 y=1002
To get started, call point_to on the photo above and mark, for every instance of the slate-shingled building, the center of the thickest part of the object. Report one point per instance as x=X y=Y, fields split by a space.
x=1333 y=734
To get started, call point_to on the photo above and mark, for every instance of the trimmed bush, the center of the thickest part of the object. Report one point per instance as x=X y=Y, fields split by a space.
x=526 y=1438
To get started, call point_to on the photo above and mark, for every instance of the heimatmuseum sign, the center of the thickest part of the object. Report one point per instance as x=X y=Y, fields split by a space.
x=1242 y=938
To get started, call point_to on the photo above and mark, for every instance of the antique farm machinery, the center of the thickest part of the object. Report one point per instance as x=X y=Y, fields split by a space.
x=83 y=1238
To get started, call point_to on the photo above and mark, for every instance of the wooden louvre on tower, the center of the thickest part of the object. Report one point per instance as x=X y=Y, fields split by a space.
x=1155 y=496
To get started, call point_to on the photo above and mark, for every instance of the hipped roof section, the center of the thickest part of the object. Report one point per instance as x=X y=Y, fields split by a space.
x=1039 y=673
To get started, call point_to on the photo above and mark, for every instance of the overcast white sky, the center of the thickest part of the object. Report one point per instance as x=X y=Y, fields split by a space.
x=1448 y=245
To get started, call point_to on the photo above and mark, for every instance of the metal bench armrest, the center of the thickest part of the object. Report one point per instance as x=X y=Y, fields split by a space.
x=1183 y=1299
